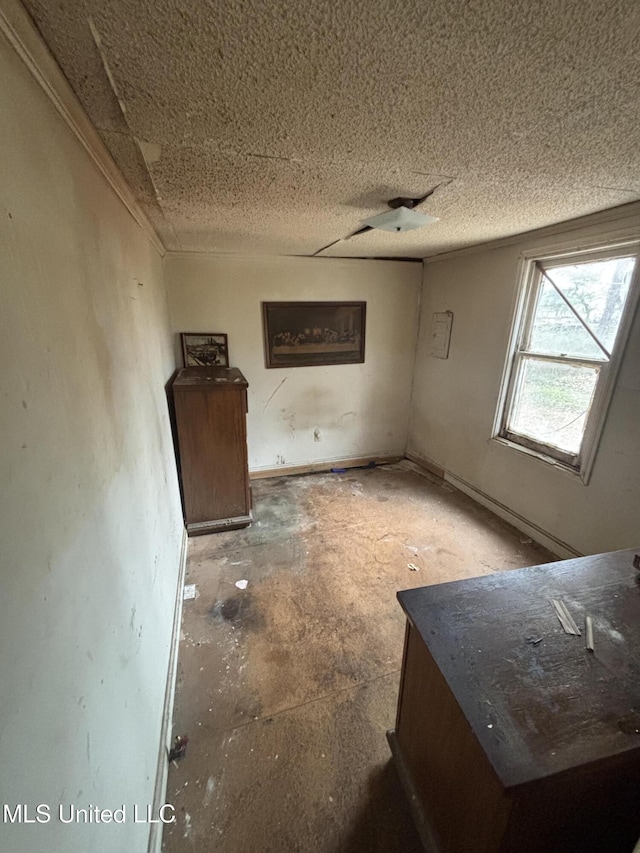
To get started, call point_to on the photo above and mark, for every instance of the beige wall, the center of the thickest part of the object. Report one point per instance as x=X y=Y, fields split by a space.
x=358 y=409
x=91 y=526
x=455 y=402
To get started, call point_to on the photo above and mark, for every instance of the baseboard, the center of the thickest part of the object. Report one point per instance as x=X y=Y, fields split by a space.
x=162 y=770
x=542 y=537
x=425 y=463
x=326 y=465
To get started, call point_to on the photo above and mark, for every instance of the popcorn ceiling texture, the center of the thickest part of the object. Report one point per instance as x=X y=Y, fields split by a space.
x=282 y=125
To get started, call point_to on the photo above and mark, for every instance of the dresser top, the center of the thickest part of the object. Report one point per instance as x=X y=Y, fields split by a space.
x=197 y=378
x=536 y=699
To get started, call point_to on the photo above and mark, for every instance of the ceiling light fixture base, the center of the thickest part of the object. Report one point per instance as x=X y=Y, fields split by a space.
x=400 y=220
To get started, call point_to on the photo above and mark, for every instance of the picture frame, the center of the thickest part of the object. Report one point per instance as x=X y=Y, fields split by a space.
x=307 y=334
x=205 y=349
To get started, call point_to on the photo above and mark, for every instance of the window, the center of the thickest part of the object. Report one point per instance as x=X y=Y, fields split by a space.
x=571 y=325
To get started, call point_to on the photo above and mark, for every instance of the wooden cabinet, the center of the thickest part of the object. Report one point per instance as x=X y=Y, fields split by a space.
x=211 y=409
x=512 y=737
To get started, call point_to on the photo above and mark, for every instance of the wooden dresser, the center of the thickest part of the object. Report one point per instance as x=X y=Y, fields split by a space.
x=512 y=737
x=211 y=409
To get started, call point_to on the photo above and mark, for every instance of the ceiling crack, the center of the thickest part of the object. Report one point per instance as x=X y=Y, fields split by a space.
x=98 y=42
x=437 y=175
x=272 y=157
x=617 y=189
x=142 y=150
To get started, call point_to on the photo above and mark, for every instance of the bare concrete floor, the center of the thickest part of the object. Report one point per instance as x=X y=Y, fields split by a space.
x=286 y=688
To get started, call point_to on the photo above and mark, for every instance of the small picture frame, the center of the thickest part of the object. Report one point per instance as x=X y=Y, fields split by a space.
x=205 y=349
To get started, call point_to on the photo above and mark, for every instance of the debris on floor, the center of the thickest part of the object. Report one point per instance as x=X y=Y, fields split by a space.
x=305 y=663
x=189 y=591
x=179 y=749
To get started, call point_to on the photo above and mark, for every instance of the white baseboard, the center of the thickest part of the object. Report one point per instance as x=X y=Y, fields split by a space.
x=542 y=537
x=162 y=770
x=425 y=464
x=324 y=465
x=556 y=546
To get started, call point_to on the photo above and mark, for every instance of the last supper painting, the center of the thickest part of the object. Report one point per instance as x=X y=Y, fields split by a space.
x=304 y=334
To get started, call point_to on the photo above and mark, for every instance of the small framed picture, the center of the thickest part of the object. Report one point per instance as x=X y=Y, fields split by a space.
x=205 y=349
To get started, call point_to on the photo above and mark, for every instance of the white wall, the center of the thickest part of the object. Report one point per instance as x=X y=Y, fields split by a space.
x=90 y=527
x=359 y=409
x=455 y=402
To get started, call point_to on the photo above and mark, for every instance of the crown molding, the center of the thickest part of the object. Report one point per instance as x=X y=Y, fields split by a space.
x=21 y=33
x=616 y=215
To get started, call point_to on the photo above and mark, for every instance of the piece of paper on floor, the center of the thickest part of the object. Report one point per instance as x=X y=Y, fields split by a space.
x=189 y=591
x=242 y=584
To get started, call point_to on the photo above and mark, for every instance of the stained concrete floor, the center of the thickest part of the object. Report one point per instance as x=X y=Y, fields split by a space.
x=286 y=688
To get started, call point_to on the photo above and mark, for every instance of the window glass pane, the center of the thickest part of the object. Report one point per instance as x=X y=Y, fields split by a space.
x=552 y=402
x=598 y=291
x=557 y=331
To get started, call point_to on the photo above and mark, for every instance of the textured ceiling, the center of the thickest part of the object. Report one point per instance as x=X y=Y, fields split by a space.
x=276 y=126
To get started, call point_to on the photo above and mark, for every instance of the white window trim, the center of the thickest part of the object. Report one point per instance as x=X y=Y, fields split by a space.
x=527 y=275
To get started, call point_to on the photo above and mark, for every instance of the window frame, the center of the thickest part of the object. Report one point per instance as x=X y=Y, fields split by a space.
x=531 y=278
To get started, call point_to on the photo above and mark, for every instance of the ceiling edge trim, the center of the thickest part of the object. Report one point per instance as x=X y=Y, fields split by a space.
x=611 y=214
x=21 y=33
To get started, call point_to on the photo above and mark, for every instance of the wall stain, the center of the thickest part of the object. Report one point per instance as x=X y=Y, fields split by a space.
x=290 y=419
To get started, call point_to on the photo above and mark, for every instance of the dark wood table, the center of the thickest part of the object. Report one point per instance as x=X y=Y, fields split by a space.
x=510 y=734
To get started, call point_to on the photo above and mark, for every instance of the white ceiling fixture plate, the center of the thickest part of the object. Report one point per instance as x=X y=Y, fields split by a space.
x=400 y=220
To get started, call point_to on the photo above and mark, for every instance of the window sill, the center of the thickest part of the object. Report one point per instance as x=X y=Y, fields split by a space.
x=574 y=473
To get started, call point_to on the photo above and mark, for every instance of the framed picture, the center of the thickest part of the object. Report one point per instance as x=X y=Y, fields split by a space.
x=204 y=349
x=303 y=334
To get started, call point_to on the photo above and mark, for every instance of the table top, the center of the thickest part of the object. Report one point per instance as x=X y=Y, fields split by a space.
x=197 y=378
x=537 y=700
